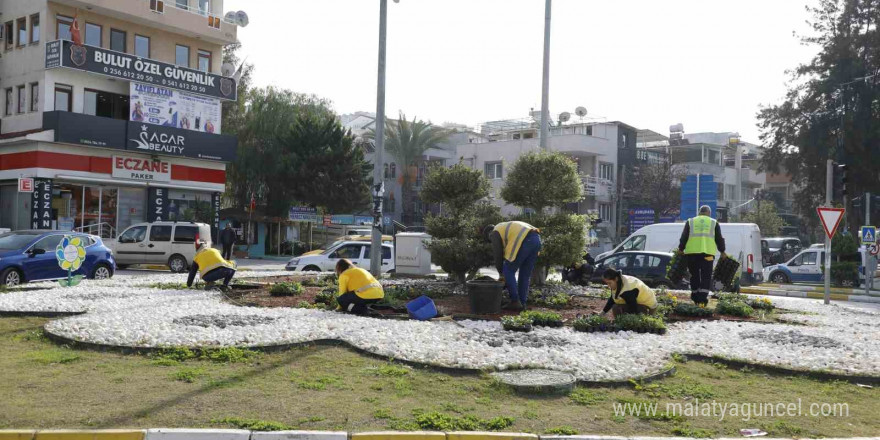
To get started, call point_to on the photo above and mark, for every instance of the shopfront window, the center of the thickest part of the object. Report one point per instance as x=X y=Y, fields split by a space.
x=106 y=104
x=132 y=205
x=102 y=211
x=15 y=208
x=190 y=206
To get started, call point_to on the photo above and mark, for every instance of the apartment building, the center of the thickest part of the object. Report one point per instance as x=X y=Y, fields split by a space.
x=125 y=127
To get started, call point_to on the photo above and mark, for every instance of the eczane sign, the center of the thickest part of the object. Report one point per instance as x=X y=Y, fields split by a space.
x=147 y=170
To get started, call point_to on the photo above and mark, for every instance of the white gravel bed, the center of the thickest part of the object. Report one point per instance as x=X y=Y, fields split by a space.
x=836 y=338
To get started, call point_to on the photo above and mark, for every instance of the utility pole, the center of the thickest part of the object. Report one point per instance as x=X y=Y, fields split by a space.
x=829 y=177
x=378 y=176
x=869 y=259
x=545 y=85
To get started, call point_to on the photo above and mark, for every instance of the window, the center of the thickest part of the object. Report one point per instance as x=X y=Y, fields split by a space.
x=35 y=97
x=617 y=262
x=386 y=171
x=142 y=46
x=350 y=251
x=204 y=6
x=494 y=170
x=35 y=28
x=721 y=191
x=386 y=252
x=182 y=4
x=393 y=170
x=157 y=6
x=181 y=55
x=606 y=171
x=117 y=40
x=605 y=212
x=7 y=34
x=22 y=31
x=22 y=99
x=186 y=234
x=106 y=104
x=388 y=205
x=160 y=233
x=204 y=60
x=644 y=261
x=62 y=27
x=8 y=102
x=622 y=141
x=48 y=244
x=528 y=135
x=93 y=34
x=133 y=235
x=63 y=97
x=636 y=243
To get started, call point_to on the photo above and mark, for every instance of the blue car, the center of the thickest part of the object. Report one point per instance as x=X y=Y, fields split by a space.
x=30 y=256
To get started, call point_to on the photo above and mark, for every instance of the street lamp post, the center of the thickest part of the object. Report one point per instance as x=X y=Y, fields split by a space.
x=378 y=182
x=545 y=85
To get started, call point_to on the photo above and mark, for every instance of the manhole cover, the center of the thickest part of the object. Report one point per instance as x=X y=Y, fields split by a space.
x=537 y=381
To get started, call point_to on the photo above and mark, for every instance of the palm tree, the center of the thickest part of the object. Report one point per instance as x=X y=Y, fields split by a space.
x=407 y=142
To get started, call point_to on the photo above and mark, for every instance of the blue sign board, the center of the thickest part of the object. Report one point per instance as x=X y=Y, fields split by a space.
x=640 y=217
x=868 y=234
x=303 y=214
x=708 y=195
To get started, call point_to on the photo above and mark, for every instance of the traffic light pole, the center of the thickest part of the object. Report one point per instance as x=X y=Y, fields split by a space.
x=829 y=178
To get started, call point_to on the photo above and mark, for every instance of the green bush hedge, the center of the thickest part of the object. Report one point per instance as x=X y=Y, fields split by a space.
x=286 y=288
x=845 y=273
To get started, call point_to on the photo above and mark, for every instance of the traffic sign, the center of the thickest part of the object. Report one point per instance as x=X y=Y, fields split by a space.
x=26 y=184
x=868 y=234
x=830 y=219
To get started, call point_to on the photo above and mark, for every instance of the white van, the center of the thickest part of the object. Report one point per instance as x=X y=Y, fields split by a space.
x=171 y=243
x=742 y=240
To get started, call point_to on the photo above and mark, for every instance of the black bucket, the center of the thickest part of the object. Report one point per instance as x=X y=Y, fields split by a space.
x=485 y=296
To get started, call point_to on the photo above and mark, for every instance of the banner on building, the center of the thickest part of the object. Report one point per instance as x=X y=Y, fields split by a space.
x=41 y=204
x=303 y=214
x=171 y=141
x=157 y=204
x=172 y=108
x=61 y=53
x=148 y=170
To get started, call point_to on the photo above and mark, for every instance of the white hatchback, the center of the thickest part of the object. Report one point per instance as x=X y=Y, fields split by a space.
x=356 y=251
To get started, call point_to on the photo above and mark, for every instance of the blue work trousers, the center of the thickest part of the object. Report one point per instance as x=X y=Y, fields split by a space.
x=524 y=263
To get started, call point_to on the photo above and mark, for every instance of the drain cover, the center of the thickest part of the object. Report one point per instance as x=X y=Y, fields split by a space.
x=537 y=381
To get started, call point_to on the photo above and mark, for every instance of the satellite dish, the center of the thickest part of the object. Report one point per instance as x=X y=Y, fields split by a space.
x=564 y=116
x=230 y=17
x=227 y=69
x=241 y=18
x=581 y=111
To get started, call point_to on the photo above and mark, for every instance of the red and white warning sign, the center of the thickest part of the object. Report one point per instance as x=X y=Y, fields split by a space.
x=25 y=184
x=830 y=219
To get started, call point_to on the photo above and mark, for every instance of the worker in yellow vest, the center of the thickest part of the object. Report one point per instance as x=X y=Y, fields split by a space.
x=628 y=294
x=515 y=248
x=211 y=266
x=700 y=241
x=357 y=288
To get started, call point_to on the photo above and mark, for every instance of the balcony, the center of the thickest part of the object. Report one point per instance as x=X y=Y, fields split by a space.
x=601 y=189
x=191 y=22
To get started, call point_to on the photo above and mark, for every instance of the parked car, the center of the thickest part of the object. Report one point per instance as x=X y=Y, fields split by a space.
x=779 y=249
x=743 y=242
x=650 y=267
x=385 y=239
x=805 y=267
x=30 y=256
x=170 y=243
x=356 y=251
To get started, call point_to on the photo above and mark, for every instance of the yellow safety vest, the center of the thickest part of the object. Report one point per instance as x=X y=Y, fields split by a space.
x=360 y=282
x=701 y=238
x=646 y=294
x=512 y=236
x=209 y=259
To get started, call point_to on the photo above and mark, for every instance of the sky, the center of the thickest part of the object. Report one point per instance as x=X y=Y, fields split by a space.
x=709 y=65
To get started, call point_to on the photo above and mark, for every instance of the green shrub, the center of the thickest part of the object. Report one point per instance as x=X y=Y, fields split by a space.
x=585 y=323
x=734 y=308
x=639 y=323
x=287 y=288
x=845 y=273
x=253 y=424
x=687 y=309
x=189 y=375
x=563 y=238
x=327 y=297
x=561 y=430
x=554 y=301
x=518 y=321
x=585 y=397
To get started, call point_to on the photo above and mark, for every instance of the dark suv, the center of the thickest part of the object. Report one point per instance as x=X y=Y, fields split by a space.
x=650 y=267
x=777 y=250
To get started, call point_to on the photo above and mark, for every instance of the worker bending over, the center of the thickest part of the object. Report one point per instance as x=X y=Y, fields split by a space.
x=628 y=294
x=700 y=241
x=211 y=266
x=515 y=248
x=357 y=288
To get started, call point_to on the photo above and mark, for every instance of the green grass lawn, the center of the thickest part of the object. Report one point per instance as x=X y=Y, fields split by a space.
x=48 y=386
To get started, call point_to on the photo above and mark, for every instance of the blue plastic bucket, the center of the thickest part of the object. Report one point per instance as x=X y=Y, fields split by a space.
x=421 y=308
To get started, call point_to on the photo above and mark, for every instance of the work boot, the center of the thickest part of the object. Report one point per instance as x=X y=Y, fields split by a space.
x=514 y=306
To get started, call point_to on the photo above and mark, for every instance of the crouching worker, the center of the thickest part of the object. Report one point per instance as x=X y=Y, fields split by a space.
x=211 y=266
x=357 y=288
x=628 y=295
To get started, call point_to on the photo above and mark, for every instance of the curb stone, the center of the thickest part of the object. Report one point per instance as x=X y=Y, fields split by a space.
x=810 y=294
x=583 y=437
x=197 y=434
x=300 y=435
x=396 y=435
x=475 y=435
x=17 y=434
x=90 y=434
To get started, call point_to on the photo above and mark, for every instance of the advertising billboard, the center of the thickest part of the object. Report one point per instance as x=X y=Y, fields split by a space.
x=171 y=108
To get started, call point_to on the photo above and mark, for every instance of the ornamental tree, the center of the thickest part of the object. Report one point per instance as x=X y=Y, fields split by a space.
x=542 y=179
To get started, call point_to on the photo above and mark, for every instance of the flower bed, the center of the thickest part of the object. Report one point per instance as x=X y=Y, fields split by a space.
x=517 y=323
x=543 y=319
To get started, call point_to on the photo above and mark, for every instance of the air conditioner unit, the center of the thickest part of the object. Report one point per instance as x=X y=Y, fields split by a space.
x=157 y=6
